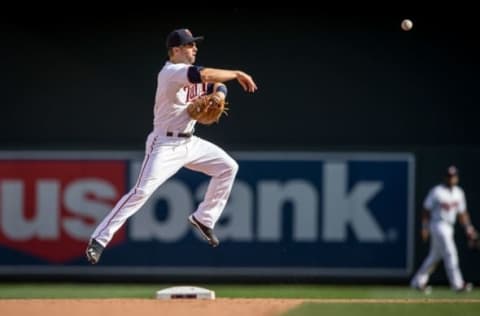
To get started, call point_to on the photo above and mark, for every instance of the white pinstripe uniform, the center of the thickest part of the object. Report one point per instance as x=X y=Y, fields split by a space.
x=165 y=155
x=444 y=204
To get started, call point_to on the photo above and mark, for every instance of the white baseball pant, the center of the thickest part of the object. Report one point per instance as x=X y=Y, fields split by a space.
x=164 y=156
x=442 y=246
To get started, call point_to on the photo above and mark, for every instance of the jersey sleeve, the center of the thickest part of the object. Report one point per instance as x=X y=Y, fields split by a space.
x=182 y=74
x=429 y=201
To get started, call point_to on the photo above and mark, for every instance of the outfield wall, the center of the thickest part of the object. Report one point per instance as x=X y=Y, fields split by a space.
x=295 y=216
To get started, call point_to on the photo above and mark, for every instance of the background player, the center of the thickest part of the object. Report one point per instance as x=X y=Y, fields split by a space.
x=442 y=205
x=171 y=145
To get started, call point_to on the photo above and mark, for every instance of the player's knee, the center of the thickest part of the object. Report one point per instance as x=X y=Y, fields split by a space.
x=140 y=193
x=231 y=168
x=451 y=262
x=234 y=167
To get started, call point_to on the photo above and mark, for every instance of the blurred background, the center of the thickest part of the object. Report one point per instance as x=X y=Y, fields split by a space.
x=344 y=101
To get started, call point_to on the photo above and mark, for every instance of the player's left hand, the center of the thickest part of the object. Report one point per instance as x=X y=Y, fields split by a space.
x=208 y=108
x=473 y=240
x=471 y=233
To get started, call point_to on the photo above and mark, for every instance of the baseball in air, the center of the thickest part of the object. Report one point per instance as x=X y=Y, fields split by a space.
x=407 y=25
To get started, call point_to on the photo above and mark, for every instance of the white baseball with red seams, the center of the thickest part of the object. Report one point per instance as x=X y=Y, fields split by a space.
x=165 y=155
x=407 y=25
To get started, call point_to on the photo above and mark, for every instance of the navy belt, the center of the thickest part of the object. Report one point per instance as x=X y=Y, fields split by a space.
x=184 y=135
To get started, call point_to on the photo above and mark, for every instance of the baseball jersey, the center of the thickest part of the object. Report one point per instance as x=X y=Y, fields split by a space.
x=174 y=92
x=445 y=203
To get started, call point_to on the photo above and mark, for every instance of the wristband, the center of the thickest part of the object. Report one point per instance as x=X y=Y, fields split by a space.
x=223 y=89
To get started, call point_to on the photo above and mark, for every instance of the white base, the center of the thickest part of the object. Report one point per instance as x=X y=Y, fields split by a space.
x=185 y=292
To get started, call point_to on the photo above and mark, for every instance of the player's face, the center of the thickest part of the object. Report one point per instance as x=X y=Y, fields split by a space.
x=452 y=181
x=188 y=52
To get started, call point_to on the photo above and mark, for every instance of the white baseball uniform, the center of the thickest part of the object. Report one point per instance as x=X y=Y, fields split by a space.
x=444 y=204
x=165 y=155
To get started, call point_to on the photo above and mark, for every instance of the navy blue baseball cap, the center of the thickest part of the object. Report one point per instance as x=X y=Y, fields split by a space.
x=181 y=37
x=452 y=171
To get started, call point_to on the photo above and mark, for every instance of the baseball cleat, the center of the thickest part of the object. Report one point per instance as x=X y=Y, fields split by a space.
x=466 y=288
x=427 y=290
x=206 y=232
x=94 y=251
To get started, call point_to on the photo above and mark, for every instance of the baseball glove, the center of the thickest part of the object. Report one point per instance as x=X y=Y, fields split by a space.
x=207 y=109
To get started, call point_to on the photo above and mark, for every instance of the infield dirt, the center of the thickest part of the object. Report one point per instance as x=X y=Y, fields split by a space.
x=150 y=307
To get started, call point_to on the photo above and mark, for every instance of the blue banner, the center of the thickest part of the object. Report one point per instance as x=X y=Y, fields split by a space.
x=291 y=212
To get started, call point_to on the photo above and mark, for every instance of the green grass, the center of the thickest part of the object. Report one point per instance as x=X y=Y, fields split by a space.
x=63 y=290
x=311 y=309
x=321 y=291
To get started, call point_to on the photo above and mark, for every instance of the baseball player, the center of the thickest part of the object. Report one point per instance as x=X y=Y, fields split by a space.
x=442 y=205
x=171 y=144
